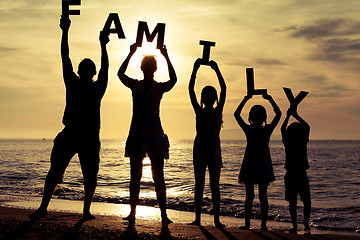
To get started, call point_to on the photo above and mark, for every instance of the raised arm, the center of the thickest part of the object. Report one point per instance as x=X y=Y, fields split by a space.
x=104 y=69
x=173 y=79
x=192 y=94
x=215 y=67
x=66 y=62
x=286 y=122
x=237 y=113
x=301 y=120
x=276 y=109
x=127 y=81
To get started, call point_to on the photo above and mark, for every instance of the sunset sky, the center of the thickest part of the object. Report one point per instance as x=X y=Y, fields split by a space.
x=303 y=45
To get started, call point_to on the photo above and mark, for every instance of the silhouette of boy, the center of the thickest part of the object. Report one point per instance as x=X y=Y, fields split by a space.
x=146 y=136
x=82 y=123
x=295 y=138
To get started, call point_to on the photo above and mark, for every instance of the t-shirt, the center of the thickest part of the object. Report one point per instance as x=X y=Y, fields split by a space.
x=83 y=100
x=296 y=152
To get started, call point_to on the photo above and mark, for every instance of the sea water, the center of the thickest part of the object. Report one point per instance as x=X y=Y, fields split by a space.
x=334 y=179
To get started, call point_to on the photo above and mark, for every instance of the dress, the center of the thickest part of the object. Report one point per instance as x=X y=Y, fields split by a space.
x=146 y=135
x=257 y=167
x=207 y=149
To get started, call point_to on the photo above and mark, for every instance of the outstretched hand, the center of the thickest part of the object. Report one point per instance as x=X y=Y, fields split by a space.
x=247 y=97
x=65 y=23
x=197 y=63
x=292 y=110
x=133 y=48
x=213 y=65
x=163 y=51
x=104 y=37
x=266 y=96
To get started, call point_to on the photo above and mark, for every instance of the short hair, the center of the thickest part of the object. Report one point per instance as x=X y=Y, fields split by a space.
x=210 y=93
x=257 y=113
x=297 y=131
x=148 y=63
x=86 y=67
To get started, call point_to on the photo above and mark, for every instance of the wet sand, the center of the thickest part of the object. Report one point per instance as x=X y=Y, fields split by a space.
x=15 y=224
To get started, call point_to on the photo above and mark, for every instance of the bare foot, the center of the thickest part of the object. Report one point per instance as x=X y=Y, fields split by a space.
x=245 y=227
x=88 y=216
x=264 y=228
x=218 y=224
x=130 y=218
x=293 y=230
x=166 y=221
x=195 y=223
x=38 y=214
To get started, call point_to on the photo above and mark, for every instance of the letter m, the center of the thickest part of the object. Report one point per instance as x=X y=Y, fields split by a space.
x=143 y=28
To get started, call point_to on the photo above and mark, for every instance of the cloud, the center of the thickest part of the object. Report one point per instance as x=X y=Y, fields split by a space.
x=322 y=86
x=5 y=50
x=286 y=29
x=268 y=61
x=337 y=40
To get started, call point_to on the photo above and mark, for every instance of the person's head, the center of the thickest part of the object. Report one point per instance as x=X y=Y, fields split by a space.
x=86 y=69
x=257 y=115
x=148 y=64
x=208 y=96
x=296 y=131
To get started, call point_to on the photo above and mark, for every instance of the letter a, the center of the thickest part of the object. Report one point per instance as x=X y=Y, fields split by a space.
x=114 y=17
x=143 y=28
x=65 y=8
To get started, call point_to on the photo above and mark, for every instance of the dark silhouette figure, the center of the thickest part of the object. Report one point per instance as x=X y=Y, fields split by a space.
x=82 y=123
x=295 y=138
x=146 y=136
x=207 y=150
x=257 y=167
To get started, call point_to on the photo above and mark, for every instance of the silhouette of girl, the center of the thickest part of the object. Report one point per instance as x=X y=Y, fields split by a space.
x=207 y=150
x=257 y=167
x=146 y=136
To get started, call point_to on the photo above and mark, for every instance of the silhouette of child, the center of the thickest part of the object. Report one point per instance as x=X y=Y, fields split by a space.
x=295 y=138
x=82 y=123
x=257 y=167
x=207 y=150
x=146 y=136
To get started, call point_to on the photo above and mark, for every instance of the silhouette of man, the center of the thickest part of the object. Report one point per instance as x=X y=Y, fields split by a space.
x=146 y=136
x=82 y=123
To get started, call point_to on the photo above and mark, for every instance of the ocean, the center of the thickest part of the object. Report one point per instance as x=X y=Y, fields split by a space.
x=334 y=179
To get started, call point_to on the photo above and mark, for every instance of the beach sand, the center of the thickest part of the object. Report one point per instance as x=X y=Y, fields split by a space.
x=67 y=224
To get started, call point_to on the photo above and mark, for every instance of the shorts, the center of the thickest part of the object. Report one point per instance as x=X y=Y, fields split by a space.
x=66 y=144
x=139 y=146
x=297 y=183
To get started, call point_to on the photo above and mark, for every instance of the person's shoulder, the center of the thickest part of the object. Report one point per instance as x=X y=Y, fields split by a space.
x=72 y=80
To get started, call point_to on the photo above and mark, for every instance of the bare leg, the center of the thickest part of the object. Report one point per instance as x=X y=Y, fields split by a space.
x=136 y=173
x=215 y=191
x=89 y=190
x=48 y=192
x=248 y=204
x=264 y=205
x=307 y=210
x=199 y=172
x=157 y=168
x=293 y=215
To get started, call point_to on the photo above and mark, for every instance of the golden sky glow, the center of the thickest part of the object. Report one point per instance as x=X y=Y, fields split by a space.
x=304 y=45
